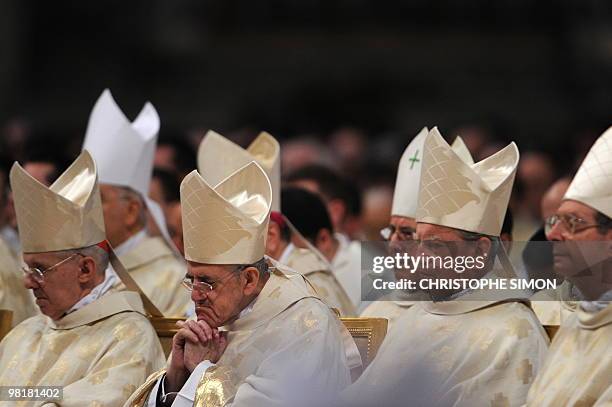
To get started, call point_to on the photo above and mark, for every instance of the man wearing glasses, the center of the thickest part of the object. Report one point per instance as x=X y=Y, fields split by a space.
x=219 y=157
x=93 y=342
x=578 y=368
x=402 y=224
x=261 y=337
x=464 y=348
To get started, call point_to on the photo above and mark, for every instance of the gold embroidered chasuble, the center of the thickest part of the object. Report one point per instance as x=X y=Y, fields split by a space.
x=13 y=295
x=459 y=353
x=552 y=307
x=391 y=310
x=578 y=368
x=99 y=353
x=159 y=274
x=305 y=262
x=289 y=343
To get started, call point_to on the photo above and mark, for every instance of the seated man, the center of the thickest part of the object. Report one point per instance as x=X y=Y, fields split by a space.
x=551 y=306
x=402 y=224
x=578 y=367
x=219 y=157
x=343 y=201
x=94 y=342
x=124 y=152
x=262 y=337
x=462 y=349
x=295 y=245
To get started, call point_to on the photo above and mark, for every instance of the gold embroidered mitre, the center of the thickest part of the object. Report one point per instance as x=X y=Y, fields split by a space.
x=219 y=157
x=66 y=215
x=592 y=184
x=460 y=195
x=227 y=223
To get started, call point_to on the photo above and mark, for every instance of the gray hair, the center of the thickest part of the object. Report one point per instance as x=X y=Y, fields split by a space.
x=604 y=222
x=261 y=265
x=99 y=255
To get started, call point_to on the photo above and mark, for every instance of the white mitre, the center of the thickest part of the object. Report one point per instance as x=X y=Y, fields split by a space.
x=592 y=184
x=124 y=150
x=460 y=195
x=67 y=215
x=462 y=151
x=406 y=193
x=219 y=157
x=226 y=223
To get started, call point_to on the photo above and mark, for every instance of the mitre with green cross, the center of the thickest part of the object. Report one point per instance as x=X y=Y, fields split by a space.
x=405 y=196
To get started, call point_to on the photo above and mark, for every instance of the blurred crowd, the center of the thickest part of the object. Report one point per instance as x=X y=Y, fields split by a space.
x=356 y=169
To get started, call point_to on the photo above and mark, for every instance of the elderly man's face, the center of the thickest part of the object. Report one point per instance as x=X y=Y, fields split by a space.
x=120 y=213
x=224 y=302
x=41 y=171
x=441 y=241
x=60 y=288
x=403 y=228
x=571 y=253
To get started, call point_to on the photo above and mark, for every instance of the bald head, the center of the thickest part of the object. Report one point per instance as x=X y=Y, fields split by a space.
x=553 y=196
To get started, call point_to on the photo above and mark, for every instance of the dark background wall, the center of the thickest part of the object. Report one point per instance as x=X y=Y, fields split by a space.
x=538 y=72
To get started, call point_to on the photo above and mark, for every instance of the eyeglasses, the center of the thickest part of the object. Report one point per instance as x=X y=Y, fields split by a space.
x=570 y=223
x=403 y=232
x=39 y=275
x=189 y=282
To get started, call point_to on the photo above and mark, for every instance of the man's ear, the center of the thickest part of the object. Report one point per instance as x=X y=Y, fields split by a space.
x=483 y=246
x=87 y=270
x=324 y=240
x=134 y=207
x=337 y=212
x=274 y=239
x=251 y=278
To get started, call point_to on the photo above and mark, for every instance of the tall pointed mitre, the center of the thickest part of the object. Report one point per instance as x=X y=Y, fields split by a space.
x=219 y=157
x=460 y=195
x=406 y=194
x=592 y=184
x=227 y=223
x=123 y=150
x=462 y=151
x=67 y=215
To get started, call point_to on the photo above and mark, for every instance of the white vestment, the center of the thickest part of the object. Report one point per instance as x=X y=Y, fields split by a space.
x=455 y=353
x=290 y=345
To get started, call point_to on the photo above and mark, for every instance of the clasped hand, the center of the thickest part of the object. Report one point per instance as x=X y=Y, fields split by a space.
x=199 y=342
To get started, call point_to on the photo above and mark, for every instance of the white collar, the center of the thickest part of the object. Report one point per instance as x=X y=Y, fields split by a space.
x=342 y=239
x=593 y=307
x=342 y=253
x=286 y=253
x=131 y=243
x=110 y=278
